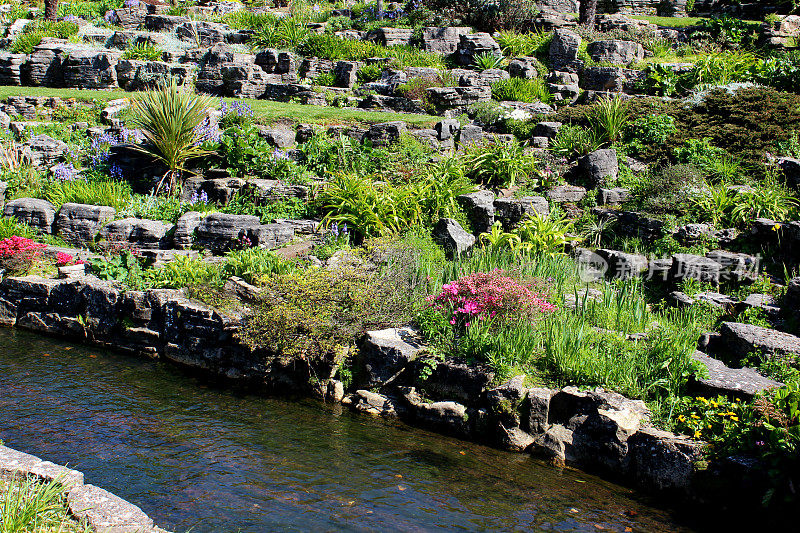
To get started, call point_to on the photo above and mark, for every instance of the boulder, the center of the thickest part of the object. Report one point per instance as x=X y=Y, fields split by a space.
x=10 y=65
x=457 y=98
x=375 y=404
x=447 y=417
x=474 y=44
x=37 y=213
x=346 y=73
x=140 y=232
x=78 y=224
x=523 y=67
x=202 y=33
x=131 y=18
x=480 y=210
x=452 y=237
x=555 y=444
x=613 y=196
x=164 y=23
x=736 y=267
x=538 y=409
x=792 y=299
x=511 y=211
x=90 y=69
x=278 y=137
x=564 y=51
x=505 y=401
x=384 y=353
x=391 y=36
x=599 y=167
x=688 y=266
x=271 y=236
x=693 y=233
x=737 y=341
x=547 y=129
x=46 y=151
x=443 y=40
x=611 y=80
x=743 y=383
x=452 y=380
x=385 y=133
x=470 y=134
x=615 y=51
x=566 y=193
x=447 y=129
x=662 y=460
x=220 y=232
x=623 y=265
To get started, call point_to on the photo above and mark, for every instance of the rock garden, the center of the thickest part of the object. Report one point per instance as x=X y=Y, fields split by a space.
x=564 y=230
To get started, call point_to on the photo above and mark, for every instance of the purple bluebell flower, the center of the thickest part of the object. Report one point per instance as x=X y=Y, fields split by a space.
x=116 y=172
x=335 y=229
x=111 y=17
x=65 y=172
x=279 y=155
x=131 y=3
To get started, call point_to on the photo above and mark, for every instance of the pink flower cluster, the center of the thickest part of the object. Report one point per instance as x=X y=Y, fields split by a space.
x=488 y=295
x=14 y=246
x=63 y=259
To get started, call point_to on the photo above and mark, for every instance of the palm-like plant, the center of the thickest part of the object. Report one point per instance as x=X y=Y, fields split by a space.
x=169 y=118
x=487 y=60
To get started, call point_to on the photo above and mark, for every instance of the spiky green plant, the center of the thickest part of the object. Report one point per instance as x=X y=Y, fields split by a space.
x=169 y=117
x=487 y=60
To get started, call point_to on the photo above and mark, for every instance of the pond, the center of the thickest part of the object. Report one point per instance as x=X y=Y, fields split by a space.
x=197 y=457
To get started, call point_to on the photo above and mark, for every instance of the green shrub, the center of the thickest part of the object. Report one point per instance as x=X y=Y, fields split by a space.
x=123 y=267
x=50 y=28
x=10 y=226
x=368 y=73
x=573 y=141
x=246 y=202
x=608 y=118
x=317 y=314
x=653 y=129
x=525 y=44
x=184 y=271
x=116 y=194
x=668 y=189
x=325 y=79
x=25 y=43
x=245 y=19
x=502 y=164
x=521 y=90
x=143 y=52
x=336 y=24
x=255 y=265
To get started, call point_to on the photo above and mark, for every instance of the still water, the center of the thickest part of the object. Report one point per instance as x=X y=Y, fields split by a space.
x=195 y=457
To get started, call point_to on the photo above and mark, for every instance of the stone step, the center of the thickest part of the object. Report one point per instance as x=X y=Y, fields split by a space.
x=743 y=383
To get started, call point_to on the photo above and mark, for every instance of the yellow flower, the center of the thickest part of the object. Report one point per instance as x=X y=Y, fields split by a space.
x=714 y=404
x=681 y=418
x=735 y=418
x=697 y=434
x=709 y=426
x=695 y=416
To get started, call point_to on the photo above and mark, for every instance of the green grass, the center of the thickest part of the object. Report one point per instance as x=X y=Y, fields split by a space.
x=682 y=22
x=267 y=111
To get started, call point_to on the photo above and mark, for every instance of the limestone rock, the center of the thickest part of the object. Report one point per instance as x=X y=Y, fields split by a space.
x=742 y=383
x=599 y=167
x=452 y=237
x=79 y=223
x=443 y=40
x=384 y=353
x=35 y=212
x=739 y=340
x=615 y=51
x=141 y=232
x=511 y=211
x=564 y=50
x=220 y=231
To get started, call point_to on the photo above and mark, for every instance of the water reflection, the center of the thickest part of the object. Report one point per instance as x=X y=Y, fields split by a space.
x=193 y=456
